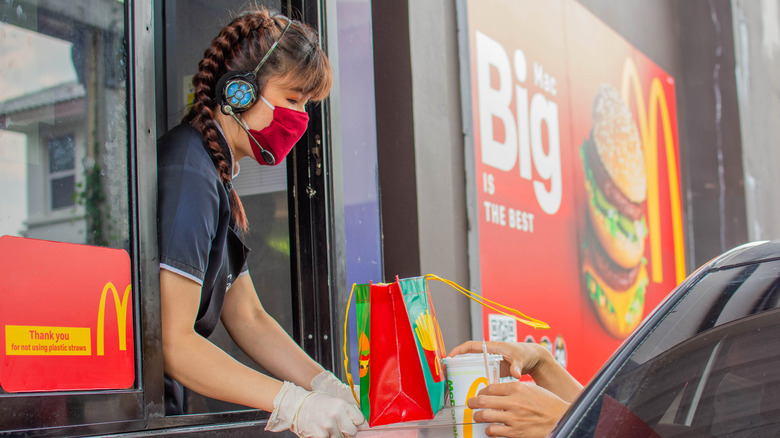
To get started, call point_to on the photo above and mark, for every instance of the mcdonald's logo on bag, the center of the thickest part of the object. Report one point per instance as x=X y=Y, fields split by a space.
x=121 y=317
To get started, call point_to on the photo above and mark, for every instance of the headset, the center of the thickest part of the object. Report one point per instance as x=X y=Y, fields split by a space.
x=237 y=92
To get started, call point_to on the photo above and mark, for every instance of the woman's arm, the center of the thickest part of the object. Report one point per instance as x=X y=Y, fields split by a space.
x=197 y=363
x=262 y=338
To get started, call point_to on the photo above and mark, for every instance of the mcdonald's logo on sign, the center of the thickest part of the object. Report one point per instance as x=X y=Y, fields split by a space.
x=51 y=338
x=648 y=130
x=121 y=317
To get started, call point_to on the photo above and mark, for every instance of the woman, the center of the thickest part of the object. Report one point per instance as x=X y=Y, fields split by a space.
x=522 y=409
x=251 y=90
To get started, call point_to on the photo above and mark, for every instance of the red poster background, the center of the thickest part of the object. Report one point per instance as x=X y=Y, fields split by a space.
x=53 y=284
x=539 y=271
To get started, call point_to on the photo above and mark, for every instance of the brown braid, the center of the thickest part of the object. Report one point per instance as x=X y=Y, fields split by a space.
x=239 y=47
x=201 y=115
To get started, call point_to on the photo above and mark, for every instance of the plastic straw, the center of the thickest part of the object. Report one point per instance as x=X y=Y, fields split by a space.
x=485 y=358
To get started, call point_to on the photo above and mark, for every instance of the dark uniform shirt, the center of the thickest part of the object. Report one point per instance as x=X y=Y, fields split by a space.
x=195 y=232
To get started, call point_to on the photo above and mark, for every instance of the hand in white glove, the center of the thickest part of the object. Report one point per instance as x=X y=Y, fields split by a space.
x=329 y=384
x=313 y=414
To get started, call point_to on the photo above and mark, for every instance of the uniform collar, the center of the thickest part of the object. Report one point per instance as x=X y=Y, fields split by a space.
x=224 y=143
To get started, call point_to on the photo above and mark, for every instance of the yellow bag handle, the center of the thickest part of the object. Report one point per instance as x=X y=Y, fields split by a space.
x=508 y=311
x=490 y=304
x=346 y=356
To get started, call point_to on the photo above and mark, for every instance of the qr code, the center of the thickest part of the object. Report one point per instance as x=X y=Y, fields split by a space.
x=502 y=328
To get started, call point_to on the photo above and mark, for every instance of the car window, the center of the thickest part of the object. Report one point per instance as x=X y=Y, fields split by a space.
x=710 y=368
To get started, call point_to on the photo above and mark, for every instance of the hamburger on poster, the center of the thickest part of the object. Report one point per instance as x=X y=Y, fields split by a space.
x=614 y=272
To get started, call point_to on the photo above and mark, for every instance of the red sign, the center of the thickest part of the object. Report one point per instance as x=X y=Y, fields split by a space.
x=65 y=317
x=577 y=177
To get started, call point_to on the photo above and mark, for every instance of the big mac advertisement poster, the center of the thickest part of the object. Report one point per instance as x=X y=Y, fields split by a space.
x=577 y=177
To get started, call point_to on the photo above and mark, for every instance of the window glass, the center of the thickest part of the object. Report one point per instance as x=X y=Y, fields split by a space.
x=62 y=170
x=63 y=128
x=64 y=181
x=61 y=154
x=711 y=368
x=359 y=148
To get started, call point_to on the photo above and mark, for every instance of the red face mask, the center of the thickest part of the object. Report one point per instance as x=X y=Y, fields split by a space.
x=271 y=144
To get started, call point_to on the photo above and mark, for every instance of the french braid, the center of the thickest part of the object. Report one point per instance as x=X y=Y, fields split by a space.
x=239 y=47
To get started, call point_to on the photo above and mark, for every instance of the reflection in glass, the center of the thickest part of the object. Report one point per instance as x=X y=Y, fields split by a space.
x=710 y=368
x=62 y=171
x=63 y=128
x=61 y=154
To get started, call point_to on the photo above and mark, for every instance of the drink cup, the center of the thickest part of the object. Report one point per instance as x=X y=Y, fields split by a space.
x=466 y=376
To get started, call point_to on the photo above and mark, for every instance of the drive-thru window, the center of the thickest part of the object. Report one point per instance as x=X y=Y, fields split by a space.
x=86 y=89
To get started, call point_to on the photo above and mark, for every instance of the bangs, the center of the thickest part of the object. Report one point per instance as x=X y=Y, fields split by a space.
x=312 y=76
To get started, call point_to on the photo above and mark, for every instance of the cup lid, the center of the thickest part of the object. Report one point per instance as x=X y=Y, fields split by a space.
x=471 y=358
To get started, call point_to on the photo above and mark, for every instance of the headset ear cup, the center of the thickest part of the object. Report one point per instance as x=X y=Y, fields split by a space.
x=236 y=90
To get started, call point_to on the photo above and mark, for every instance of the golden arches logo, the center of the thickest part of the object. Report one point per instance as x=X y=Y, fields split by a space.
x=648 y=128
x=468 y=414
x=121 y=317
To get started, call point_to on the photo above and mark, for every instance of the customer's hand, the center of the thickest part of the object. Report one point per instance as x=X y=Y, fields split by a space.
x=517 y=409
x=329 y=384
x=313 y=414
x=531 y=359
x=519 y=358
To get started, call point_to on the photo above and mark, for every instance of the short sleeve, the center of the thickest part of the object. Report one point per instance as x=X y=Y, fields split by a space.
x=188 y=203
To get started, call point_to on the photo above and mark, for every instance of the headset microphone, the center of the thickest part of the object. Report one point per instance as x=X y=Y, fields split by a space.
x=268 y=157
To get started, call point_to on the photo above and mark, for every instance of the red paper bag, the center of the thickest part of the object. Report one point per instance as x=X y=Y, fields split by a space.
x=397 y=390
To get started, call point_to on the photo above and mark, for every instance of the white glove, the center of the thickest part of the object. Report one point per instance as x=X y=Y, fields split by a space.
x=329 y=384
x=313 y=414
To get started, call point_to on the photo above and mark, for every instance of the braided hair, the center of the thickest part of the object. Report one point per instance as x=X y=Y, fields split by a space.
x=239 y=46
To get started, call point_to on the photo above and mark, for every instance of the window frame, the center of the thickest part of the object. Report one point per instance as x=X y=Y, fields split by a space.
x=311 y=240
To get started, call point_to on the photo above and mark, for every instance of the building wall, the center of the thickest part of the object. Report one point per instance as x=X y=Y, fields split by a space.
x=440 y=160
x=757 y=47
x=420 y=142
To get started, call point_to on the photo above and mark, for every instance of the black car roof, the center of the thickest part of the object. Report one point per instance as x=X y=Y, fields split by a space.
x=748 y=253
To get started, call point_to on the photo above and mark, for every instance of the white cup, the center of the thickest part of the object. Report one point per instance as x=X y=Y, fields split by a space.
x=466 y=376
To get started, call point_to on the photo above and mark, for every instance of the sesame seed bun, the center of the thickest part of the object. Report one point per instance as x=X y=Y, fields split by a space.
x=618 y=145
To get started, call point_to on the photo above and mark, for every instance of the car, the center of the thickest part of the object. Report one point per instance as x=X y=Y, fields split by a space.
x=704 y=363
